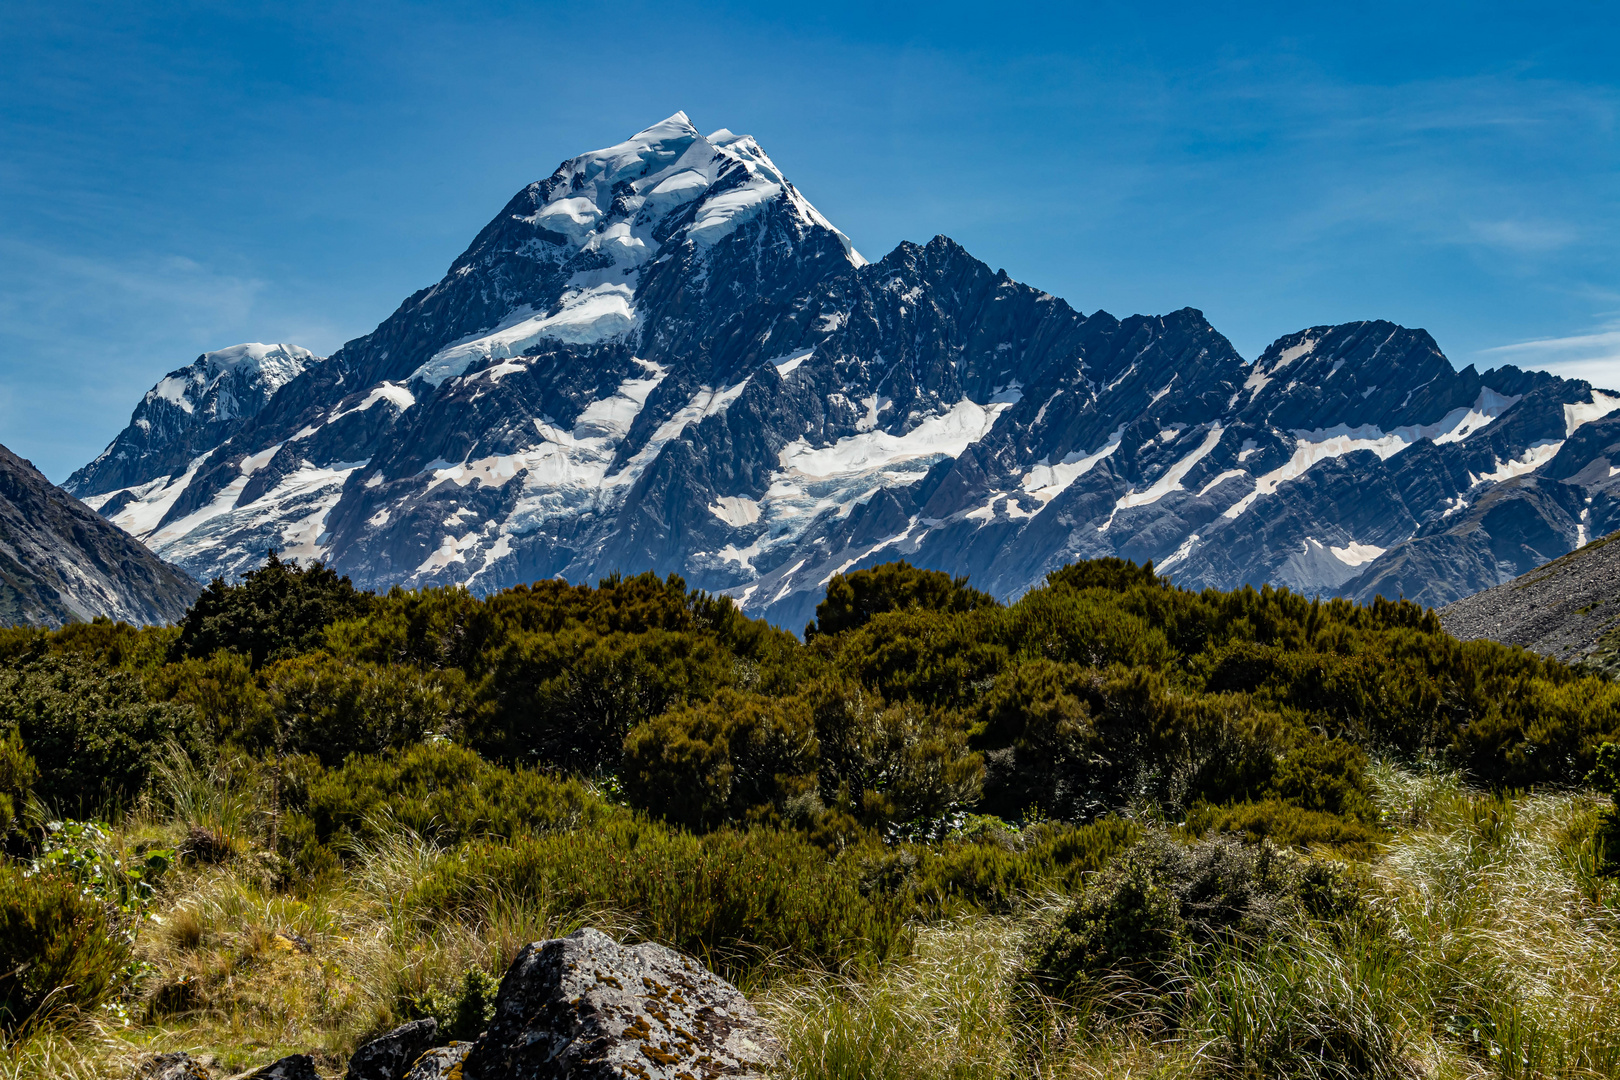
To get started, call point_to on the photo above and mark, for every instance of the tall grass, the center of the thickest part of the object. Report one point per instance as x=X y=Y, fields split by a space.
x=1489 y=947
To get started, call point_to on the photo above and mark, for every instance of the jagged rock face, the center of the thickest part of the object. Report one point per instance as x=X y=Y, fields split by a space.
x=584 y=1006
x=662 y=357
x=440 y=1063
x=177 y=1066
x=60 y=562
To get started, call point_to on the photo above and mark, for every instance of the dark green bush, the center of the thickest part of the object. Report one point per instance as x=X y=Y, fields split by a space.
x=438 y=790
x=1328 y=776
x=730 y=897
x=883 y=764
x=1041 y=747
x=1116 y=575
x=1286 y=825
x=60 y=952
x=1161 y=899
x=718 y=760
x=92 y=731
x=333 y=708
x=1605 y=777
x=464 y=1011
x=275 y=612
x=854 y=599
x=17 y=773
x=226 y=693
x=994 y=874
x=567 y=699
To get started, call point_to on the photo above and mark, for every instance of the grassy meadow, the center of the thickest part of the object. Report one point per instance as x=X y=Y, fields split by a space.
x=1112 y=829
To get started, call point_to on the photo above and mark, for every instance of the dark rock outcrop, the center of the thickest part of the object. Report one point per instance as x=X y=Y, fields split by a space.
x=177 y=1066
x=584 y=1006
x=391 y=1056
x=291 y=1067
x=441 y=1063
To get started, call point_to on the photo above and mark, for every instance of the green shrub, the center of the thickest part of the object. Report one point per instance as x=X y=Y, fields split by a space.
x=17 y=773
x=464 y=1011
x=1605 y=777
x=1116 y=575
x=1161 y=899
x=713 y=761
x=567 y=699
x=994 y=875
x=60 y=952
x=333 y=708
x=1089 y=628
x=890 y=764
x=226 y=693
x=732 y=898
x=854 y=599
x=437 y=790
x=1286 y=825
x=1041 y=747
x=1328 y=776
x=935 y=658
x=275 y=612
x=92 y=731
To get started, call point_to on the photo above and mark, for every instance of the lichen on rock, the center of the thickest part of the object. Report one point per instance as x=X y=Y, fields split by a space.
x=585 y=1006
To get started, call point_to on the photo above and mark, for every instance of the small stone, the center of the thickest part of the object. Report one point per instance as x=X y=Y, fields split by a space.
x=585 y=1006
x=389 y=1056
x=178 y=1066
x=440 y=1063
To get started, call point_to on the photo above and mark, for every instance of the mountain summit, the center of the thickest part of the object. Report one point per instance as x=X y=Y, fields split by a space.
x=663 y=357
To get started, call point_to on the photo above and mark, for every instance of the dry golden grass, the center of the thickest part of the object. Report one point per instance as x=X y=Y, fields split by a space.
x=1493 y=951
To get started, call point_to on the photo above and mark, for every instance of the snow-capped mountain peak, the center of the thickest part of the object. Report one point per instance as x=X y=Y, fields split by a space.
x=607 y=214
x=662 y=357
x=196 y=387
x=190 y=411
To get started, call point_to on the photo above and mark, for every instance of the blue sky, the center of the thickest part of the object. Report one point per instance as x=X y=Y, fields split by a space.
x=181 y=177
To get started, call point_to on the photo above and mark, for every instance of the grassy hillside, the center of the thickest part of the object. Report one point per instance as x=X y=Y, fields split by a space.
x=1113 y=828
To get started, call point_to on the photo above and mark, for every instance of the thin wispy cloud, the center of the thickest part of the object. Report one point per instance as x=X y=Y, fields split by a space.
x=1594 y=356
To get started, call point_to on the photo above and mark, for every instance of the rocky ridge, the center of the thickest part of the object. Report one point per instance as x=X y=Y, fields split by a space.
x=1568 y=609
x=662 y=357
x=61 y=562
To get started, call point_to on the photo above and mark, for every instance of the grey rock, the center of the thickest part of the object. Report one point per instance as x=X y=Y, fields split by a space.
x=441 y=1063
x=177 y=1066
x=389 y=1056
x=291 y=1067
x=585 y=1006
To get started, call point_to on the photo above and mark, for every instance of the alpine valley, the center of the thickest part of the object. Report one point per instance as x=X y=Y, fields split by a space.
x=662 y=357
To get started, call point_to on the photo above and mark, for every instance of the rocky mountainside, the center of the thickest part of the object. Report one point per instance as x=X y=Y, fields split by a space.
x=1568 y=609
x=663 y=357
x=61 y=562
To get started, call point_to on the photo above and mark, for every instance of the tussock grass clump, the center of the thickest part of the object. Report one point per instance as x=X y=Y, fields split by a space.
x=943 y=1011
x=1141 y=920
x=61 y=951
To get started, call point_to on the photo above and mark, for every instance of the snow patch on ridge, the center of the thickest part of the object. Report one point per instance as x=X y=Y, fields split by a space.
x=1584 y=412
x=1311 y=447
x=1047 y=482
